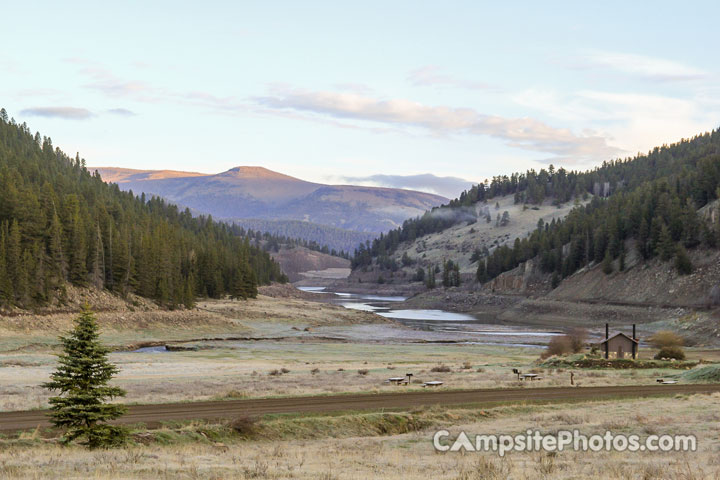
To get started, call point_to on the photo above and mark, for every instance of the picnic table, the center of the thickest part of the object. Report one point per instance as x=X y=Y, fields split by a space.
x=397 y=380
x=530 y=376
x=432 y=384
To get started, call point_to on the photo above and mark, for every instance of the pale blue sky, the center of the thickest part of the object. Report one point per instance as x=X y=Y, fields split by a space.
x=326 y=90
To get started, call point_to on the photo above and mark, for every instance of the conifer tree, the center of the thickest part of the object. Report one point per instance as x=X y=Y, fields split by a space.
x=7 y=294
x=430 y=278
x=82 y=380
x=682 y=261
x=481 y=273
x=607 y=266
x=665 y=245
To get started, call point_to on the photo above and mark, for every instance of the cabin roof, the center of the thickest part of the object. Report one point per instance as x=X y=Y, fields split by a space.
x=620 y=335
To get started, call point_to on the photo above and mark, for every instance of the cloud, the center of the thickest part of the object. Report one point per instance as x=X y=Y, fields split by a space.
x=67 y=113
x=649 y=68
x=123 y=112
x=525 y=133
x=102 y=80
x=635 y=121
x=449 y=187
x=431 y=75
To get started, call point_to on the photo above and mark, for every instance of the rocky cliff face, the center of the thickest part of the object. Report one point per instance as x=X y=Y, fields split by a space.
x=526 y=279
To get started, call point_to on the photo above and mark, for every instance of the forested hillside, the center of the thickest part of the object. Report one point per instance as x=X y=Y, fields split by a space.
x=61 y=224
x=652 y=199
x=322 y=238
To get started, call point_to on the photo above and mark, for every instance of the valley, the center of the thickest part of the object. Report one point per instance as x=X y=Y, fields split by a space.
x=359 y=241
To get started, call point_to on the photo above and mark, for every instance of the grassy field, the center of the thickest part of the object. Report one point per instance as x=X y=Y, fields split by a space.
x=388 y=446
x=273 y=357
x=245 y=369
x=272 y=354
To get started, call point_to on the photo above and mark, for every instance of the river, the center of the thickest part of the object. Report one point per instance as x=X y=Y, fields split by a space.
x=465 y=325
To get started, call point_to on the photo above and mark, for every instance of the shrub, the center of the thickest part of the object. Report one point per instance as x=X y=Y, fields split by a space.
x=315 y=370
x=466 y=366
x=577 y=338
x=674 y=353
x=558 y=346
x=245 y=425
x=363 y=371
x=440 y=369
x=274 y=373
x=682 y=262
x=666 y=338
x=284 y=370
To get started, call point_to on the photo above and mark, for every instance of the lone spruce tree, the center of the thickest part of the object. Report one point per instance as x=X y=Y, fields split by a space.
x=82 y=379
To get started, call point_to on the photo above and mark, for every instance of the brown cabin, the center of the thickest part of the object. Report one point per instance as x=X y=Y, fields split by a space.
x=620 y=344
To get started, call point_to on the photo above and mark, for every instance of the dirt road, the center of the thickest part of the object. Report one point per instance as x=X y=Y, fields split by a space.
x=153 y=415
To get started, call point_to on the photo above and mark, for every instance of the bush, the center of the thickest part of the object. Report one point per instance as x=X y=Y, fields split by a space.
x=245 y=425
x=440 y=369
x=666 y=338
x=562 y=345
x=577 y=338
x=363 y=371
x=670 y=353
x=682 y=262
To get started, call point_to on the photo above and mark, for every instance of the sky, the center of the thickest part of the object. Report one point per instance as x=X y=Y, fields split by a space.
x=362 y=92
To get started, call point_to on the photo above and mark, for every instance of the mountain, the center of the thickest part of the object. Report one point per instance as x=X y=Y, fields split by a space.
x=61 y=225
x=259 y=193
x=308 y=234
x=553 y=223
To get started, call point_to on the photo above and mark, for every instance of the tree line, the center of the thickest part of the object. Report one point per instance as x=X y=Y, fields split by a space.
x=272 y=242
x=61 y=224
x=652 y=199
x=322 y=238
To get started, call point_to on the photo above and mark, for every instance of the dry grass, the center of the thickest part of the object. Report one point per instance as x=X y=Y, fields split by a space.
x=361 y=454
x=256 y=370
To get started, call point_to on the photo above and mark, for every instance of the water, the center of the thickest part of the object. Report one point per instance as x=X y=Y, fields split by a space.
x=157 y=349
x=464 y=325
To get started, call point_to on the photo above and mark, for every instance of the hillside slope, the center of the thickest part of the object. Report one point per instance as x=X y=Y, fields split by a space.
x=298 y=260
x=60 y=225
x=259 y=193
x=461 y=241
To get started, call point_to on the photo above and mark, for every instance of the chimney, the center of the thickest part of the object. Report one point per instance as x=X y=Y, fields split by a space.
x=607 y=344
x=634 y=334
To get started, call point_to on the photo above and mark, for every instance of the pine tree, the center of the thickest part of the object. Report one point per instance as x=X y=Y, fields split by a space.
x=430 y=278
x=237 y=289
x=82 y=379
x=250 y=283
x=7 y=293
x=505 y=220
x=55 y=249
x=607 y=266
x=189 y=293
x=682 y=262
x=481 y=273
x=447 y=268
x=665 y=245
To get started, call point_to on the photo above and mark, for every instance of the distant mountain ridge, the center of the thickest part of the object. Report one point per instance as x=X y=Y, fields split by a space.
x=251 y=192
